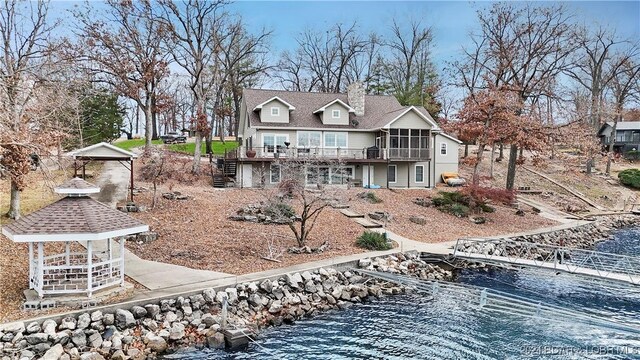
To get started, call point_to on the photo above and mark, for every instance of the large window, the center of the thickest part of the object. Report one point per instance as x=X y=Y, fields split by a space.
x=274 y=173
x=274 y=143
x=309 y=139
x=334 y=175
x=419 y=173
x=335 y=139
x=405 y=138
x=392 y=173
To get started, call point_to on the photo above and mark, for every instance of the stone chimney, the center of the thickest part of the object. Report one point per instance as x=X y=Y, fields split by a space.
x=355 y=96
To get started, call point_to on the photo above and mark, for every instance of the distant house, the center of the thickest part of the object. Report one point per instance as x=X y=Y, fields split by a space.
x=627 y=136
x=377 y=140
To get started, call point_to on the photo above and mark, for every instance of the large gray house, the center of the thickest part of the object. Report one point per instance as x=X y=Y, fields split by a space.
x=376 y=140
x=627 y=136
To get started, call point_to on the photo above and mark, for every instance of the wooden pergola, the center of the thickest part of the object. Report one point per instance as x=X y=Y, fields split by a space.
x=103 y=152
x=75 y=217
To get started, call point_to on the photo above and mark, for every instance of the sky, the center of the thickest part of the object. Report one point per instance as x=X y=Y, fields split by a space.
x=451 y=21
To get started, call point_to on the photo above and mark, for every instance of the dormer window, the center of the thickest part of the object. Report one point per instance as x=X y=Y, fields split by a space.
x=335 y=114
x=275 y=111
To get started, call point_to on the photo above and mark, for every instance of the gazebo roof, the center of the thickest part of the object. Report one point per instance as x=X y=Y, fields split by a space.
x=102 y=151
x=77 y=186
x=72 y=219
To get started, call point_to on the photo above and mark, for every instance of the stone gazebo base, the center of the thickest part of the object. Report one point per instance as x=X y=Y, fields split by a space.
x=34 y=302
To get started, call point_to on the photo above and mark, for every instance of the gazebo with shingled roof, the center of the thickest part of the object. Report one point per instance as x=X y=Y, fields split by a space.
x=75 y=217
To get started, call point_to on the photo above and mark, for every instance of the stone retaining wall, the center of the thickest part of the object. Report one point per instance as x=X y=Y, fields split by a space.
x=142 y=332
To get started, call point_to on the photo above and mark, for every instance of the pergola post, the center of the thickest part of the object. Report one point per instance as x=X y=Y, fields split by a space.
x=89 y=267
x=110 y=254
x=122 y=240
x=131 y=179
x=67 y=252
x=30 y=265
x=40 y=268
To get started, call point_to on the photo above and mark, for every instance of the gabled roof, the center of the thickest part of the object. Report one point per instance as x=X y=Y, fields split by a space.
x=625 y=125
x=378 y=112
x=450 y=137
x=77 y=186
x=72 y=219
x=259 y=106
x=424 y=115
x=351 y=110
x=103 y=150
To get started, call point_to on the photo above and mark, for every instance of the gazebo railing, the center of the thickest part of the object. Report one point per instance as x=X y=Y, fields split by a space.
x=69 y=274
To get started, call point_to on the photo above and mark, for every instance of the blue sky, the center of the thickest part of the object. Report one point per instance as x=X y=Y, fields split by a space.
x=451 y=20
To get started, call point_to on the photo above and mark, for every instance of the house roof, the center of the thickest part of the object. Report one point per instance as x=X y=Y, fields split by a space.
x=379 y=110
x=102 y=150
x=425 y=117
x=450 y=137
x=77 y=186
x=351 y=110
x=72 y=219
x=259 y=106
x=626 y=125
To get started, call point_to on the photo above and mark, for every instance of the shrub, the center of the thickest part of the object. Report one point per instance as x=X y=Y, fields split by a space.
x=372 y=198
x=486 y=208
x=449 y=198
x=630 y=177
x=279 y=210
x=456 y=209
x=373 y=241
x=633 y=154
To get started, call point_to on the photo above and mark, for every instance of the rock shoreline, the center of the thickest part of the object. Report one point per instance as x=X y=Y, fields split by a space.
x=144 y=332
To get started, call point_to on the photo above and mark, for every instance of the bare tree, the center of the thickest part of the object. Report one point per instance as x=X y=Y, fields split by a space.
x=522 y=48
x=32 y=99
x=195 y=27
x=624 y=85
x=123 y=48
x=296 y=188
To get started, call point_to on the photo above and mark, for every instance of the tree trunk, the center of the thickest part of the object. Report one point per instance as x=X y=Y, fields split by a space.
x=154 y=122
x=475 y=179
x=14 y=204
x=466 y=150
x=501 y=156
x=493 y=155
x=511 y=167
x=195 y=168
x=613 y=138
x=148 y=131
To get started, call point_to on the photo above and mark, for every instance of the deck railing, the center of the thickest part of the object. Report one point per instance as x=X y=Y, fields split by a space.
x=269 y=151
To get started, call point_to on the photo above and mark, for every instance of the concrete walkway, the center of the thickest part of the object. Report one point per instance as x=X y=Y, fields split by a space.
x=113 y=183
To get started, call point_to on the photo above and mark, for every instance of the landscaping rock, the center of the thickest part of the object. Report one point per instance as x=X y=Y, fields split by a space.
x=138 y=312
x=84 y=320
x=124 y=319
x=54 y=353
x=177 y=331
x=156 y=343
x=146 y=237
x=216 y=341
x=418 y=220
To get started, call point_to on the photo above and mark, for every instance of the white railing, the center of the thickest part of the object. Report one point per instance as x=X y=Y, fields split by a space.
x=335 y=153
x=69 y=274
x=578 y=261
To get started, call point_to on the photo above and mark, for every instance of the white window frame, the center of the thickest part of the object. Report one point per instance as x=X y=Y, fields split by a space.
x=308 y=132
x=395 y=174
x=275 y=145
x=271 y=173
x=334 y=112
x=335 y=133
x=444 y=146
x=415 y=174
x=277 y=111
x=330 y=174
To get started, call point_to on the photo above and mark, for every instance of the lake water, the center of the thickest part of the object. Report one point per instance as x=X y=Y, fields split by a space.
x=412 y=327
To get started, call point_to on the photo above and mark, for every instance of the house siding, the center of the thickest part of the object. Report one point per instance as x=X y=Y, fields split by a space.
x=448 y=162
x=265 y=113
x=327 y=117
x=410 y=120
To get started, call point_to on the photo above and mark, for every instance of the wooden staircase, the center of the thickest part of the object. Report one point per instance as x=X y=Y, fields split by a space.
x=230 y=167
